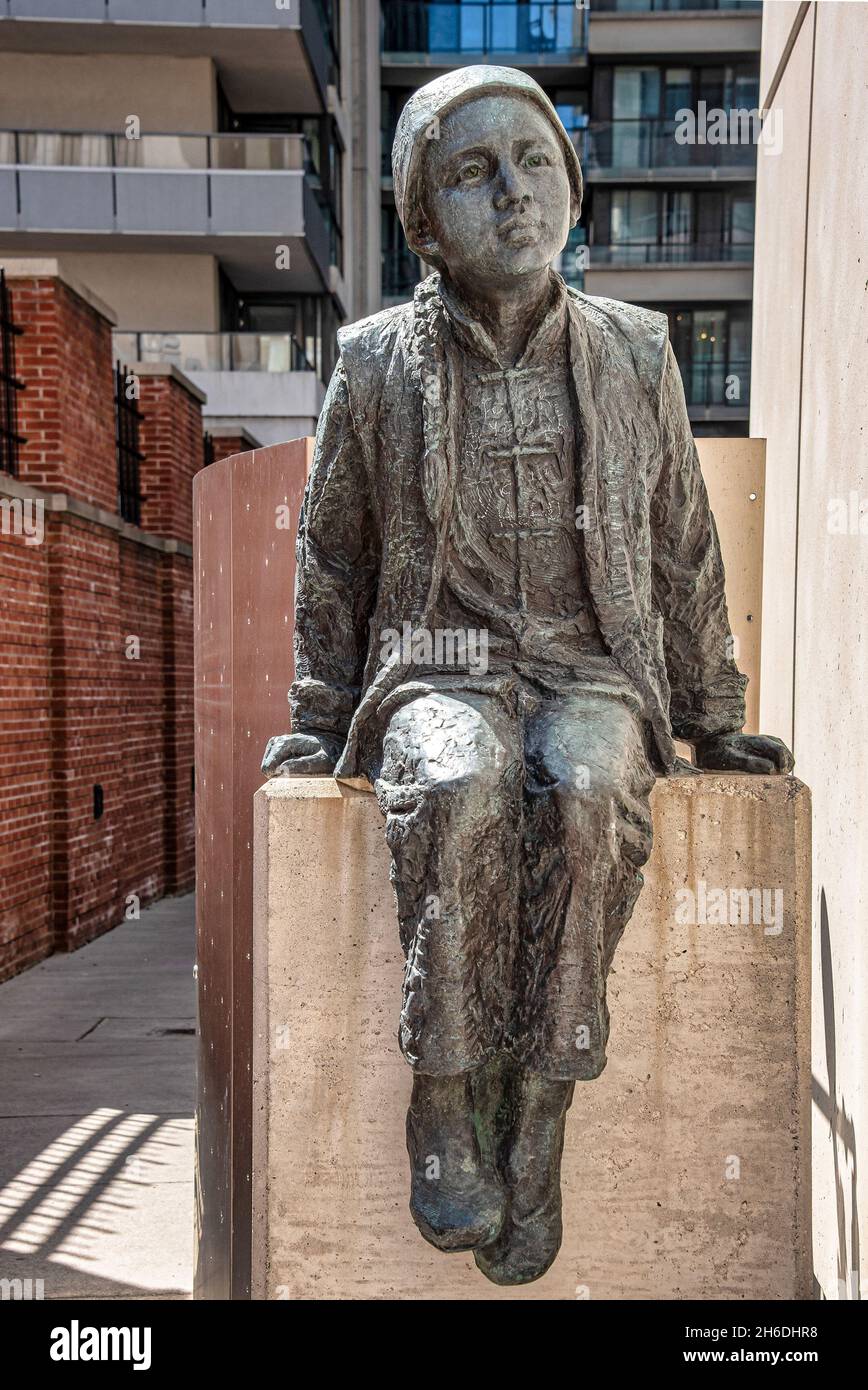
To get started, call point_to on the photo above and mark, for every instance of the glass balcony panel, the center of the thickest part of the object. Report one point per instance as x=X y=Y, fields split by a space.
x=162 y=152
x=260 y=152
x=654 y=144
x=262 y=352
x=64 y=149
x=717 y=382
x=215 y=352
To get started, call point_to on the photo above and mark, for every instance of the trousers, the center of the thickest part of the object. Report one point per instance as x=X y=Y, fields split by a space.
x=518 y=824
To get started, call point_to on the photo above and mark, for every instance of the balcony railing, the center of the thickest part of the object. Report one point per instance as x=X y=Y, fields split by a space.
x=646 y=6
x=650 y=143
x=177 y=183
x=215 y=352
x=630 y=253
x=60 y=149
x=241 y=13
x=717 y=383
x=424 y=27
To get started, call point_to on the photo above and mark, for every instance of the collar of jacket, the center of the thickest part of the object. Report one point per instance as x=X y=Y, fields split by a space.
x=545 y=333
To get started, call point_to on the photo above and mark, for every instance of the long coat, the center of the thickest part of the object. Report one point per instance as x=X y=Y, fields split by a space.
x=375 y=522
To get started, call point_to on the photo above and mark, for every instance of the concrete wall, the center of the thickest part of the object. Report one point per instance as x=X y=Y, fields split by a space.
x=663 y=285
x=734 y=473
x=153 y=293
x=810 y=400
x=645 y=33
x=65 y=91
x=365 y=251
x=273 y=406
x=685 y=1164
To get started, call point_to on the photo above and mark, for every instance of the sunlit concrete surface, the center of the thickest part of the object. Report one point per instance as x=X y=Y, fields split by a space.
x=97 y=1084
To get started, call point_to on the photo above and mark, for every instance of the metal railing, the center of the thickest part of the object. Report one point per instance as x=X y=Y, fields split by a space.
x=631 y=253
x=128 y=419
x=60 y=149
x=651 y=143
x=10 y=439
x=215 y=352
x=491 y=26
x=640 y=6
x=725 y=383
x=238 y=13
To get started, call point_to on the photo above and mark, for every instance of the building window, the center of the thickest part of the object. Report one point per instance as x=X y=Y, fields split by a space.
x=128 y=419
x=484 y=26
x=311 y=320
x=10 y=439
x=400 y=266
x=712 y=345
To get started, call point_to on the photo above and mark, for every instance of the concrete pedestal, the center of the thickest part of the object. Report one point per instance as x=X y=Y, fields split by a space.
x=685 y=1171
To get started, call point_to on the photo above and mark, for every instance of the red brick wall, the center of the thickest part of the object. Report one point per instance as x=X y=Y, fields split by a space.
x=86 y=729
x=177 y=576
x=171 y=440
x=67 y=412
x=143 y=701
x=25 y=751
x=227 y=445
x=80 y=704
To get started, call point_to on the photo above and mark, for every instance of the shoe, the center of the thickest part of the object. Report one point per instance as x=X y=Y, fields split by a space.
x=531 y=1235
x=527 y=1245
x=456 y=1198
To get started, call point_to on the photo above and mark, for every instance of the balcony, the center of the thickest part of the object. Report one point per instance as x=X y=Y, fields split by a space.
x=647 y=148
x=215 y=352
x=670 y=6
x=427 y=33
x=633 y=253
x=263 y=382
x=251 y=192
x=262 y=51
x=642 y=28
x=710 y=385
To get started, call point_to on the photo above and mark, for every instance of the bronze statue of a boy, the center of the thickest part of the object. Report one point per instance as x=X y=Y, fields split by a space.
x=506 y=458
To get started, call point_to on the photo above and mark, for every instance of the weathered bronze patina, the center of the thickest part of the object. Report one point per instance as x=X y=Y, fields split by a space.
x=510 y=600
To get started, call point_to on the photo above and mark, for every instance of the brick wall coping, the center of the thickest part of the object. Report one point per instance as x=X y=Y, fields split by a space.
x=232 y=432
x=167 y=369
x=49 y=268
x=62 y=502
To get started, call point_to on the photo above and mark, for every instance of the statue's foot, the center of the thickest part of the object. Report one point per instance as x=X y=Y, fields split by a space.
x=458 y=1216
x=526 y=1247
x=531 y=1234
x=456 y=1198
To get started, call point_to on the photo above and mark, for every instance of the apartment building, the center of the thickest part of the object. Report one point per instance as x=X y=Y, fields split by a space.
x=190 y=162
x=211 y=170
x=667 y=220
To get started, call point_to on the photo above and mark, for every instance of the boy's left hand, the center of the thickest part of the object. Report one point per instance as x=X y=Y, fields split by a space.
x=758 y=753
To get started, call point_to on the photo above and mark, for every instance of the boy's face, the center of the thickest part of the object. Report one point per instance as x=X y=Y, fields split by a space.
x=497 y=195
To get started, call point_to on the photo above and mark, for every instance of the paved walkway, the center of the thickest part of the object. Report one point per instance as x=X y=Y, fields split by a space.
x=97 y=1098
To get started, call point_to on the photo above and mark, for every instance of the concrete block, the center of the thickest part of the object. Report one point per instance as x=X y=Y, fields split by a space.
x=686 y=1166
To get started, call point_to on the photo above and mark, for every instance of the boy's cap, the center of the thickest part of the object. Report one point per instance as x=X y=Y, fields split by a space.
x=432 y=102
